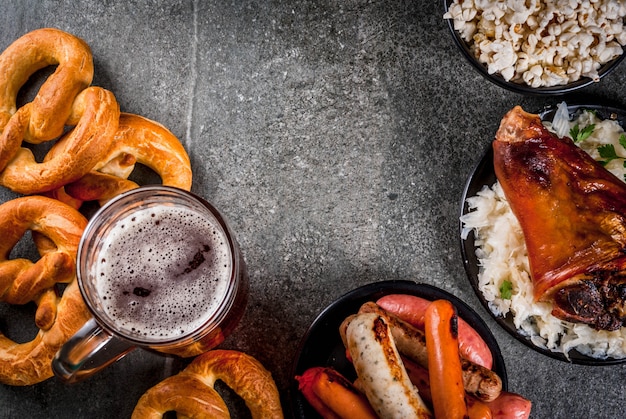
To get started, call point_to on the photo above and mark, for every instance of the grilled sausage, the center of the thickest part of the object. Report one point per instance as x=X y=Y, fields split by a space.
x=444 y=361
x=332 y=395
x=510 y=406
x=380 y=369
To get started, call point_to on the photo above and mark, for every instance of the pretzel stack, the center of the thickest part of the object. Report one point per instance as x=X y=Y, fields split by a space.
x=93 y=152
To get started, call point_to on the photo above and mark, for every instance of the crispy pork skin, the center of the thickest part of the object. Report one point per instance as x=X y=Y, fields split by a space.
x=573 y=215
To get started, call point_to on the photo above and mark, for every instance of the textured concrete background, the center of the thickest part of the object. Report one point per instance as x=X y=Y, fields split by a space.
x=337 y=137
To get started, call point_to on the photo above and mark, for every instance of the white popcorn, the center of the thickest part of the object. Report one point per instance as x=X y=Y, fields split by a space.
x=608 y=51
x=542 y=43
x=502 y=59
x=620 y=34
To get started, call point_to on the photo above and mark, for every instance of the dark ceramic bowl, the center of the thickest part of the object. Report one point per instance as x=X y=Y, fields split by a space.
x=322 y=346
x=523 y=88
x=484 y=174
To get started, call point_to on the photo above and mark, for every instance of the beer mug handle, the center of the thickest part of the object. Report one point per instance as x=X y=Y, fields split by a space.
x=90 y=350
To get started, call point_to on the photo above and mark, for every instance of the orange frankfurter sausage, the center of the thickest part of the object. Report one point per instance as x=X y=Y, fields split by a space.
x=476 y=409
x=444 y=361
x=332 y=395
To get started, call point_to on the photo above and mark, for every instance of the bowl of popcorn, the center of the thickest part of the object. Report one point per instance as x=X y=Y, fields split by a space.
x=539 y=47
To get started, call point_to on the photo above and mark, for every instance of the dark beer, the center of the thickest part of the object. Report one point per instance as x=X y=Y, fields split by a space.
x=162 y=272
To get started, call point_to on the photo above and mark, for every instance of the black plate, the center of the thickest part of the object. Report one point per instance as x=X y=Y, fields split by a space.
x=523 y=88
x=322 y=345
x=484 y=174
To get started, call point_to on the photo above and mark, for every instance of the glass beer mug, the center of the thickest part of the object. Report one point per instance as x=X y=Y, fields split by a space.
x=159 y=269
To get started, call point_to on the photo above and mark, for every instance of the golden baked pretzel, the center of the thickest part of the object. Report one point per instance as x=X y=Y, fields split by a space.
x=51 y=107
x=190 y=393
x=57 y=229
x=95 y=113
x=64 y=99
x=137 y=140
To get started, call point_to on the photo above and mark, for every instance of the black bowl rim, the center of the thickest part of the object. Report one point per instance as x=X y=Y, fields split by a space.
x=524 y=89
x=483 y=174
x=333 y=314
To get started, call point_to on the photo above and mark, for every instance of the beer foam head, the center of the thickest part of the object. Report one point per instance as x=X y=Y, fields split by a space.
x=162 y=272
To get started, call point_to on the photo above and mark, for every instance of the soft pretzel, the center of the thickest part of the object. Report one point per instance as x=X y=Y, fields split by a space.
x=191 y=393
x=95 y=113
x=57 y=229
x=51 y=107
x=137 y=140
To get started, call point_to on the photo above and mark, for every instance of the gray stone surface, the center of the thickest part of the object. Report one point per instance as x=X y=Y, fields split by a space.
x=337 y=138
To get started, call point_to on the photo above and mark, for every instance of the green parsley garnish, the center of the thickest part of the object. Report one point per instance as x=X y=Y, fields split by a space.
x=607 y=151
x=506 y=290
x=579 y=135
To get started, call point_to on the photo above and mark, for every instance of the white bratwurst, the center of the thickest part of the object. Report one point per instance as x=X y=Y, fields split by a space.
x=380 y=369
